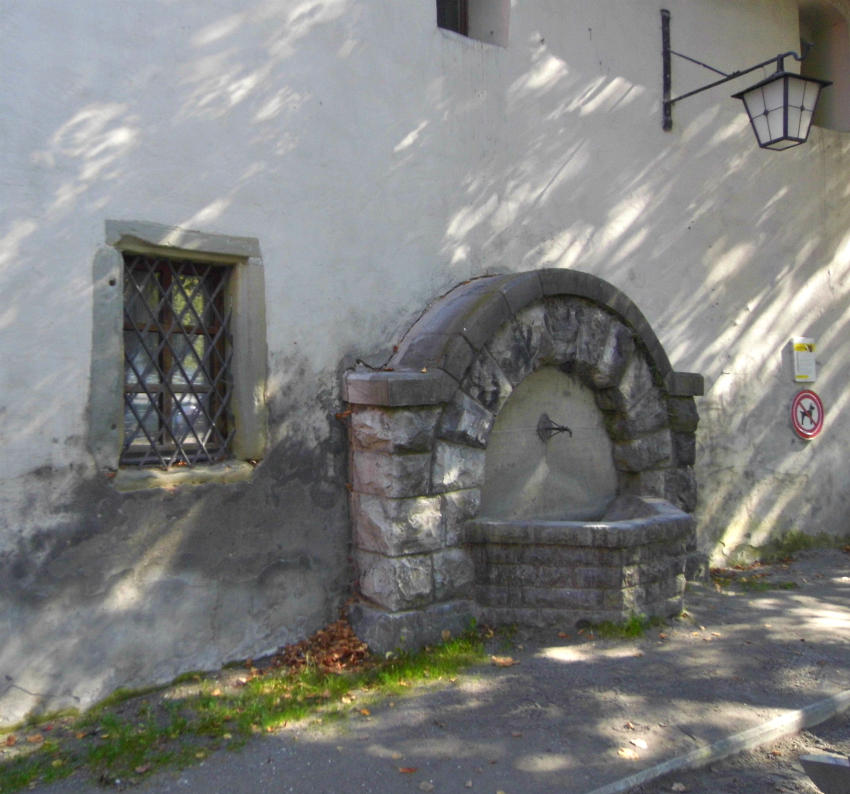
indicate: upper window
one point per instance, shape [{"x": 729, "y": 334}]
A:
[
  {"x": 176, "y": 362},
  {"x": 453, "y": 15},
  {"x": 485, "y": 20},
  {"x": 827, "y": 27}
]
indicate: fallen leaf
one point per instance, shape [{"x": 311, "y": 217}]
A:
[
  {"x": 396, "y": 756},
  {"x": 216, "y": 693},
  {"x": 516, "y": 734},
  {"x": 407, "y": 770},
  {"x": 629, "y": 726},
  {"x": 140, "y": 770},
  {"x": 678, "y": 787},
  {"x": 563, "y": 635},
  {"x": 426, "y": 786},
  {"x": 503, "y": 661},
  {"x": 11, "y": 740},
  {"x": 36, "y": 738},
  {"x": 200, "y": 754},
  {"x": 446, "y": 635},
  {"x": 365, "y": 712},
  {"x": 468, "y": 784},
  {"x": 641, "y": 743},
  {"x": 628, "y": 753}
]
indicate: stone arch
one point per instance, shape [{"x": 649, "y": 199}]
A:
[{"x": 420, "y": 429}]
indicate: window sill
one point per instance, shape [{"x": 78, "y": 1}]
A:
[{"x": 142, "y": 479}]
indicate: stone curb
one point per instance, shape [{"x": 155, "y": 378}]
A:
[{"x": 784, "y": 725}]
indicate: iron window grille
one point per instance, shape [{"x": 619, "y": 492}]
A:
[{"x": 177, "y": 352}]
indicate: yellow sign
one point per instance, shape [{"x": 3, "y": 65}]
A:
[{"x": 805, "y": 370}]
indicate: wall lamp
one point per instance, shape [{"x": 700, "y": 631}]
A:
[{"x": 780, "y": 107}]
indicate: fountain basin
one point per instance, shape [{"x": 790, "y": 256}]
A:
[{"x": 549, "y": 572}]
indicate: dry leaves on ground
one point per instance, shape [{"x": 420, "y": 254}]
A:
[{"x": 333, "y": 649}]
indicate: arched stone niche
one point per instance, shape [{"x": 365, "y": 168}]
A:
[{"x": 419, "y": 435}]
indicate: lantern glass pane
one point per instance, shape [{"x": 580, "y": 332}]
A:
[
  {"x": 805, "y": 123},
  {"x": 794, "y": 119},
  {"x": 760, "y": 127},
  {"x": 776, "y": 124},
  {"x": 811, "y": 94},
  {"x": 774, "y": 95},
  {"x": 754, "y": 101},
  {"x": 796, "y": 91}
]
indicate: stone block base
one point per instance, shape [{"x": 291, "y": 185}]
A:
[{"x": 386, "y": 631}]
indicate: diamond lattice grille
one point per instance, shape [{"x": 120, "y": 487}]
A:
[{"x": 176, "y": 362}]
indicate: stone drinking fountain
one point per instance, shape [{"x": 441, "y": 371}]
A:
[{"x": 524, "y": 457}]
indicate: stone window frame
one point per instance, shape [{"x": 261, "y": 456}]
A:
[{"x": 246, "y": 294}]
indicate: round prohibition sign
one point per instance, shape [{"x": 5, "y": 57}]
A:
[{"x": 807, "y": 414}]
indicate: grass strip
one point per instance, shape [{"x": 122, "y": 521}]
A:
[{"x": 131, "y": 734}]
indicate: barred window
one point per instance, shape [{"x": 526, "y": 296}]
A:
[{"x": 177, "y": 349}]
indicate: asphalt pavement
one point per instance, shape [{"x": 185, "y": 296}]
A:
[{"x": 761, "y": 658}]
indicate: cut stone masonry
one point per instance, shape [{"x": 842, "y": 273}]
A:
[{"x": 418, "y": 441}]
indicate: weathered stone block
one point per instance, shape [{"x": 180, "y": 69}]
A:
[
  {"x": 647, "y": 416},
  {"x": 510, "y": 352},
  {"x": 531, "y": 323},
  {"x": 465, "y": 421},
  {"x": 597, "y": 578},
  {"x": 636, "y": 394},
  {"x": 509, "y": 575},
  {"x": 521, "y": 290},
  {"x": 562, "y": 322},
  {"x": 493, "y": 595},
  {"x": 561, "y": 598},
  {"x": 616, "y": 352},
  {"x": 683, "y": 414},
  {"x": 384, "y": 631},
  {"x": 458, "y": 507},
  {"x": 390, "y": 475},
  {"x": 685, "y": 384},
  {"x": 594, "y": 327},
  {"x": 548, "y": 576},
  {"x": 456, "y": 467},
  {"x": 680, "y": 488},
  {"x": 397, "y": 526},
  {"x": 396, "y": 583},
  {"x": 394, "y": 429},
  {"x": 450, "y": 352},
  {"x": 684, "y": 449},
  {"x": 397, "y": 387},
  {"x": 486, "y": 383},
  {"x": 491, "y": 311},
  {"x": 454, "y": 574},
  {"x": 645, "y": 452}
]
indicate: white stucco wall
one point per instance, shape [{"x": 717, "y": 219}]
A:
[{"x": 379, "y": 161}]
